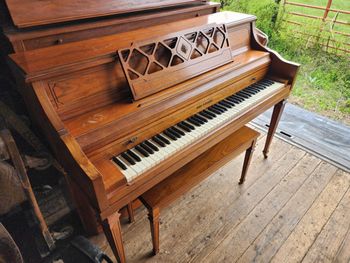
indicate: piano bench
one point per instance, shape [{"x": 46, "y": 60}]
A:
[{"x": 180, "y": 182}]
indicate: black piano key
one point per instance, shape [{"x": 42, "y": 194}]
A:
[
  {"x": 268, "y": 81},
  {"x": 256, "y": 86},
  {"x": 141, "y": 151},
  {"x": 170, "y": 135},
  {"x": 198, "y": 116},
  {"x": 119, "y": 163},
  {"x": 233, "y": 100},
  {"x": 206, "y": 115},
  {"x": 243, "y": 95},
  {"x": 260, "y": 87},
  {"x": 188, "y": 125},
  {"x": 128, "y": 158},
  {"x": 198, "y": 120},
  {"x": 236, "y": 99},
  {"x": 244, "y": 92},
  {"x": 184, "y": 127},
  {"x": 215, "y": 111},
  {"x": 229, "y": 102},
  {"x": 163, "y": 139},
  {"x": 157, "y": 140},
  {"x": 134, "y": 156},
  {"x": 263, "y": 84},
  {"x": 210, "y": 113},
  {"x": 174, "y": 133},
  {"x": 220, "y": 107},
  {"x": 225, "y": 104},
  {"x": 193, "y": 121},
  {"x": 222, "y": 110},
  {"x": 151, "y": 145},
  {"x": 146, "y": 148},
  {"x": 178, "y": 131},
  {"x": 252, "y": 90}
]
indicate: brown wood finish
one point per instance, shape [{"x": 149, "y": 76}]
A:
[
  {"x": 27, "y": 13},
  {"x": 78, "y": 94},
  {"x": 154, "y": 66},
  {"x": 58, "y": 34},
  {"x": 276, "y": 115},
  {"x": 247, "y": 161},
  {"x": 190, "y": 175}
]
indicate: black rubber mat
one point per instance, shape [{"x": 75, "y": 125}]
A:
[{"x": 328, "y": 139}]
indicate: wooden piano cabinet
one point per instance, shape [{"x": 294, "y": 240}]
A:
[
  {"x": 78, "y": 95},
  {"x": 58, "y": 34}
]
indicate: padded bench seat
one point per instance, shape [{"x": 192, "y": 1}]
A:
[{"x": 190, "y": 175}]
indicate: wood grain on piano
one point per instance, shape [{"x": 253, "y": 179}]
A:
[
  {"x": 57, "y": 34},
  {"x": 79, "y": 95},
  {"x": 27, "y": 13}
]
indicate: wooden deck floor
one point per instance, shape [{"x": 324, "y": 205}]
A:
[{"x": 293, "y": 207}]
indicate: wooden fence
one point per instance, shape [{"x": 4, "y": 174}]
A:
[{"x": 337, "y": 37}]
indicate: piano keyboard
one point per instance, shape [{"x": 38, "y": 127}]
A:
[{"x": 149, "y": 153}]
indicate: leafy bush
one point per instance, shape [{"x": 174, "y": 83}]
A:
[{"x": 265, "y": 10}]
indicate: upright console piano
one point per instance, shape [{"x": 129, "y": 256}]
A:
[{"x": 123, "y": 112}]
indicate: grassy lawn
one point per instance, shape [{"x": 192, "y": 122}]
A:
[{"x": 323, "y": 84}]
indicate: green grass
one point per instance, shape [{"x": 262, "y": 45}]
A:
[{"x": 323, "y": 83}]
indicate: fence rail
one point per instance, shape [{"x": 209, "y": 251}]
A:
[{"x": 330, "y": 43}]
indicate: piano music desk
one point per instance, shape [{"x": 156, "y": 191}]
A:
[{"x": 190, "y": 175}]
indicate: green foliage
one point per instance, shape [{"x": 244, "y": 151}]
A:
[
  {"x": 323, "y": 83},
  {"x": 265, "y": 10}
]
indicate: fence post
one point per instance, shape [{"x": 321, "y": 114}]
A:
[{"x": 327, "y": 10}]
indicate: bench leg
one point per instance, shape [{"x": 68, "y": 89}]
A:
[
  {"x": 113, "y": 232},
  {"x": 153, "y": 216},
  {"x": 247, "y": 160},
  {"x": 276, "y": 116},
  {"x": 131, "y": 213}
]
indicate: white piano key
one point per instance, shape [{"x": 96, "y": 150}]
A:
[{"x": 189, "y": 138}]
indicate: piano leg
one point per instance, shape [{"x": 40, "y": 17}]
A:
[
  {"x": 276, "y": 115},
  {"x": 247, "y": 160},
  {"x": 153, "y": 217},
  {"x": 113, "y": 232},
  {"x": 130, "y": 212}
]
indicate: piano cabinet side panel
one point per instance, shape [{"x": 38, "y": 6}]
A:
[
  {"x": 280, "y": 67},
  {"x": 64, "y": 147}
]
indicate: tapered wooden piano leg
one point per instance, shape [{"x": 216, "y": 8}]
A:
[
  {"x": 276, "y": 116},
  {"x": 112, "y": 229},
  {"x": 247, "y": 160},
  {"x": 130, "y": 213},
  {"x": 153, "y": 217}
]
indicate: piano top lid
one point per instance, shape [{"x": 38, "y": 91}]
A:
[
  {"x": 27, "y": 13},
  {"x": 47, "y": 62}
]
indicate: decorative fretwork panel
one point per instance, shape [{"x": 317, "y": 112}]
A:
[{"x": 154, "y": 66}]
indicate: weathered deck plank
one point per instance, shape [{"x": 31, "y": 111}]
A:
[
  {"x": 325, "y": 247},
  {"x": 283, "y": 197},
  {"x": 303, "y": 236}
]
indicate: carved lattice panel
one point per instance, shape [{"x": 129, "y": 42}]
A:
[{"x": 154, "y": 66}]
